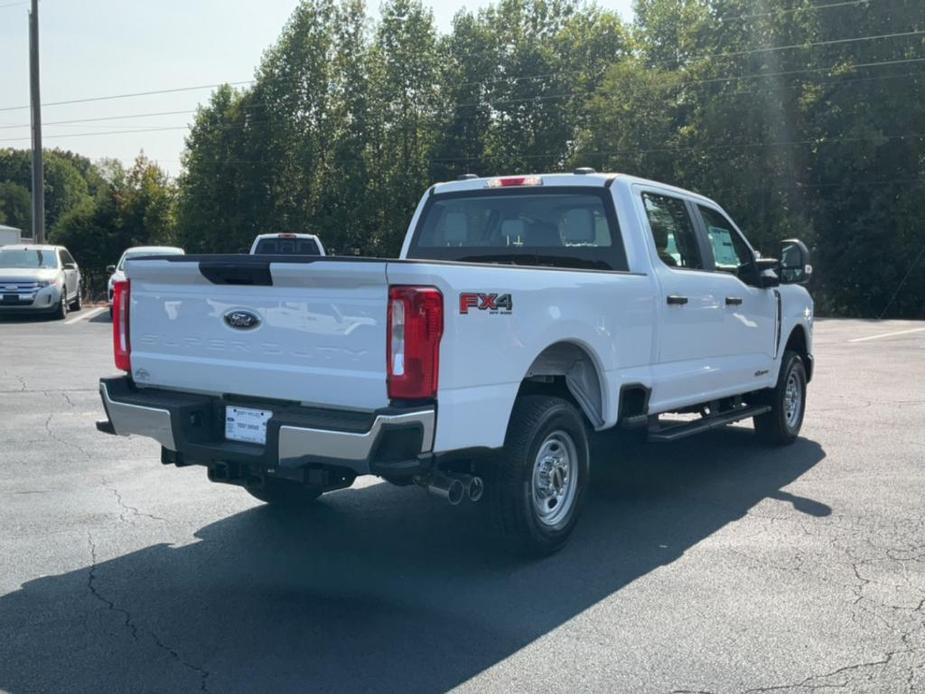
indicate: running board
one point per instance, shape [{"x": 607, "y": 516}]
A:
[{"x": 680, "y": 431}]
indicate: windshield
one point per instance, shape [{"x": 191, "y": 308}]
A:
[
  {"x": 28, "y": 259},
  {"x": 283, "y": 246},
  {"x": 145, "y": 254},
  {"x": 562, "y": 228}
]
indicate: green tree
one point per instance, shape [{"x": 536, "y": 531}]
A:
[
  {"x": 66, "y": 185},
  {"x": 131, "y": 208},
  {"x": 15, "y": 205}
]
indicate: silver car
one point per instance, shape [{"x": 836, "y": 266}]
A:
[{"x": 39, "y": 278}]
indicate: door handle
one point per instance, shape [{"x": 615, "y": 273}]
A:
[
  {"x": 675, "y": 300},
  {"x": 733, "y": 301}
]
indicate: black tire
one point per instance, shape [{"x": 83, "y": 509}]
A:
[
  {"x": 60, "y": 313},
  {"x": 111, "y": 312},
  {"x": 782, "y": 424},
  {"x": 78, "y": 302},
  {"x": 284, "y": 493},
  {"x": 538, "y": 422}
]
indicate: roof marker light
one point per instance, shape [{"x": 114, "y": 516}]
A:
[{"x": 514, "y": 181}]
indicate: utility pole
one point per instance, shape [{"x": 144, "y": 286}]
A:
[{"x": 38, "y": 167}]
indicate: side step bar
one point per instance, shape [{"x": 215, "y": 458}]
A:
[{"x": 679, "y": 431}]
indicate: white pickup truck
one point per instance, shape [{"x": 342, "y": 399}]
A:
[{"x": 522, "y": 314}]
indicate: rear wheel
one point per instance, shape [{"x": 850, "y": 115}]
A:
[
  {"x": 541, "y": 475},
  {"x": 78, "y": 301},
  {"x": 788, "y": 403},
  {"x": 284, "y": 493}
]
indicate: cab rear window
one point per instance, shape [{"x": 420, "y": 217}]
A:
[
  {"x": 287, "y": 247},
  {"x": 572, "y": 228}
]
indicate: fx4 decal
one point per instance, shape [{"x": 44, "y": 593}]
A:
[{"x": 493, "y": 303}]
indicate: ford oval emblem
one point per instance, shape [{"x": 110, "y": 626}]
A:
[{"x": 242, "y": 320}]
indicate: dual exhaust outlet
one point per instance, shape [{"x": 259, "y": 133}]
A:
[{"x": 454, "y": 487}]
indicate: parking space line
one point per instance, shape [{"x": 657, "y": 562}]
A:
[
  {"x": 86, "y": 314},
  {"x": 897, "y": 332}
]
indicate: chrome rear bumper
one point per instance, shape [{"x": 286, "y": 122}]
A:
[{"x": 193, "y": 426}]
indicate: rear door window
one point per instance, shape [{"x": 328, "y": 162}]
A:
[
  {"x": 558, "y": 228},
  {"x": 673, "y": 231},
  {"x": 730, "y": 252}
]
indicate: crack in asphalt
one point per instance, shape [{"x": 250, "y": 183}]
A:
[
  {"x": 133, "y": 510},
  {"x": 808, "y": 683},
  {"x": 882, "y": 590},
  {"x": 66, "y": 444},
  {"x": 129, "y": 622},
  {"x": 91, "y": 586},
  {"x": 846, "y": 674},
  {"x": 123, "y": 506}
]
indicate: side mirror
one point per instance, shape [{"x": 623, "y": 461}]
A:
[
  {"x": 70, "y": 266},
  {"x": 795, "y": 267},
  {"x": 110, "y": 269}
]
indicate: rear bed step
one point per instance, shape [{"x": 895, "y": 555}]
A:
[{"x": 673, "y": 432}]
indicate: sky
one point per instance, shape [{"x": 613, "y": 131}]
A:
[{"x": 99, "y": 48}]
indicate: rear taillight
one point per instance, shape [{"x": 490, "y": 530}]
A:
[
  {"x": 415, "y": 329},
  {"x": 121, "y": 347}
]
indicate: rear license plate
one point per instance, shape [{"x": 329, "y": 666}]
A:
[{"x": 246, "y": 424}]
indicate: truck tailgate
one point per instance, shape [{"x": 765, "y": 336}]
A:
[{"x": 300, "y": 330}]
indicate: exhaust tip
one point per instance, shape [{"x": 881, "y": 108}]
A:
[
  {"x": 449, "y": 488},
  {"x": 455, "y": 492},
  {"x": 475, "y": 489}
]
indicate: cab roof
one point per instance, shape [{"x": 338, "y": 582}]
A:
[{"x": 591, "y": 179}]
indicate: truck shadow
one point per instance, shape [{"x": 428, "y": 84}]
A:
[{"x": 376, "y": 589}]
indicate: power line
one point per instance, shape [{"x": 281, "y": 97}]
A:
[
  {"x": 786, "y": 73},
  {"x": 813, "y": 44},
  {"x": 731, "y": 145},
  {"x": 903, "y": 281},
  {"x": 708, "y": 56},
  {"x": 133, "y": 94},
  {"x": 108, "y": 132},
  {"x": 539, "y": 76},
  {"x": 811, "y": 8},
  {"x": 104, "y": 118},
  {"x": 682, "y": 148},
  {"x": 490, "y": 104}
]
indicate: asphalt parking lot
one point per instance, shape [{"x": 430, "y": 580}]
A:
[{"x": 710, "y": 565}]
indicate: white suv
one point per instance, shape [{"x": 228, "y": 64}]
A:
[{"x": 39, "y": 278}]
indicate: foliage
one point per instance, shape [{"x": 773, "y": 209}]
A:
[
  {"x": 68, "y": 183},
  {"x": 763, "y": 107},
  {"x": 802, "y": 118},
  {"x": 131, "y": 208},
  {"x": 15, "y": 206}
]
